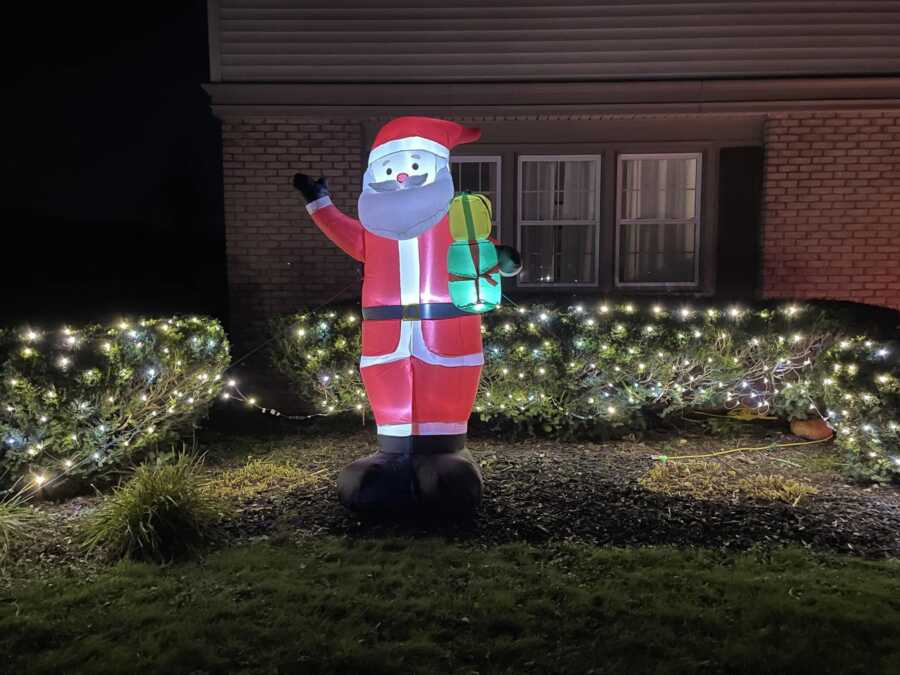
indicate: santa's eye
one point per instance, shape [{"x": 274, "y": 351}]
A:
[
  {"x": 389, "y": 172},
  {"x": 415, "y": 166}
]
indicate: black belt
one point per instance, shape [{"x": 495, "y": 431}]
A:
[
  {"x": 431, "y": 310},
  {"x": 421, "y": 445}
]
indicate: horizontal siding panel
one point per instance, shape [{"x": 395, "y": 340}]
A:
[
  {"x": 575, "y": 71},
  {"x": 289, "y": 53},
  {"x": 522, "y": 40},
  {"x": 824, "y": 36},
  {"x": 341, "y": 8},
  {"x": 500, "y": 25},
  {"x": 474, "y": 17},
  {"x": 551, "y": 58},
  {"x": 649, "y": 40}
]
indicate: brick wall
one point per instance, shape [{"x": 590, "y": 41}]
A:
[
  {"x": 831, "y": 213},
  {"x": 831, "y": 206},
  {"x": 277, "y": 259}
]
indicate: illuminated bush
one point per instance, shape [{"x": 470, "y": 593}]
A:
[
  {"x": 595, "y": 368},
  {"x": 85, "y": 401}
]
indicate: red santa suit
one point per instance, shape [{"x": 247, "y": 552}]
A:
[
  {"x": 420, "y": 375},
  {"x": 421, "y": 355}
]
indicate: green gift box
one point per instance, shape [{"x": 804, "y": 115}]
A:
[{"x": 474, "y": 275}]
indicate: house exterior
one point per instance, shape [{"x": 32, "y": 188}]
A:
[{"x": 738, "y": 149}]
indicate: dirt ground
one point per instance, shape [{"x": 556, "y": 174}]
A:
[
  {"x": 539, "y": 490},
  {"x": 543, "y": 490}
]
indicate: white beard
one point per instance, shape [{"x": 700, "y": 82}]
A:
[{"x": 409, "y": 212}]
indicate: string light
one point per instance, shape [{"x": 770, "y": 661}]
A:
[
  {"x": 758, "y": 363},
  {"x": 107, "y": 407}
]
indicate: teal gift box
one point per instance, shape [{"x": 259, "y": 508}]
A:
[{"x": 474, "y": 275}]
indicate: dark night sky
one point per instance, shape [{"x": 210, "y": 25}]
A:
[{"x": 112, "y": 168}]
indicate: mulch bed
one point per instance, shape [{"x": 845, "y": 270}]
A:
[
  {"x": 536, "y": 491},
  {"x": 550, "y": 491}
]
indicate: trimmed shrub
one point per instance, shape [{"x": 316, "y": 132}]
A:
[
  {"x": 163, "y": 512},
  {"x": 84, "y": 402},
  {"x": 609, "y": 367}
]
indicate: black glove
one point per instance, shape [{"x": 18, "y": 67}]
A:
[
  {"x": 510, "y": 261},
  {"x": 309, "y": 188}
]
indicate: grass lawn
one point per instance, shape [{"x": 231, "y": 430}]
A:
[
  {"x": 338, "y": 605},
  {"x": 583, "y": 557}
]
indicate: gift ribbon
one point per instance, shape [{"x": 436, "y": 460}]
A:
[
  {"x": 476, "y": 257},
  {"x": 481, "y": 275}
]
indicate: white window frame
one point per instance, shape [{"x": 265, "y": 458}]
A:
[
  {"x": 697, "y": 220},
  {"x": 497, "y": 161},
  {"x": 598, "y": 215}
]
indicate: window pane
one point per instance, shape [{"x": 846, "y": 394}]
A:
[
  {"x": 559, "y": 191},
  {"x": 652, "y": 253},
  {"x": 558, "y": 254},
  {"x": 480, "y": 177},
  {"x": 538, "y": 183},
  {"x": 659, "y": 188}
]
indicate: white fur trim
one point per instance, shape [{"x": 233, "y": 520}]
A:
[
  {"x": 402, "y": 351},
  {"x": 409, "y": 271},
  {"x": 395, "y": 429},
  {"x": 439, "y": 428},
  {"x": 420, "y": 351},
  {"x": 409, "y": 143},
  {"x": 412, "y": 343},
  {"x": 317, "y": 204},
  {"x": 423, "y": 429}
]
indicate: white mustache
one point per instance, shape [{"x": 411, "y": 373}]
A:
[
  {"x": 393, "y": 185},
  {"x": 405, "y": 213}
]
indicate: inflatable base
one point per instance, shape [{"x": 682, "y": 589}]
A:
[{"x": 431, "y": 473}]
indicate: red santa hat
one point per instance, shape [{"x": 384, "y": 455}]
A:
[{"x": 420, "y": 133}]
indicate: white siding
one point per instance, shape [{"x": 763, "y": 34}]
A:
[{"x": 549, "y": 40}]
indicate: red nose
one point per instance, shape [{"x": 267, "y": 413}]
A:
[{"x": 402, "y": 177}]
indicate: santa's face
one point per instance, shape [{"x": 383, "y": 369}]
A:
[
  {"x": 402, "y": 171},
  {"x": 405, "y": 194}
]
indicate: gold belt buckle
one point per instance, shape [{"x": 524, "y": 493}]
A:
[{"x": 411, "y": 312}]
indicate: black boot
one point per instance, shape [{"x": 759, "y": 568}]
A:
[{"x": 434, "y": 473}]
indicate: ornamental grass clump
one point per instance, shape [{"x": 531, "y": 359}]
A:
[
  {"x": 83, "y": 403},
  {"x": 164, "y": 512},
  {"x": 19, "y": 522},
  {"x": 602, "y": 368}
]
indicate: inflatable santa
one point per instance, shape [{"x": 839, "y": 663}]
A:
[{"x": 421, "y": 353}]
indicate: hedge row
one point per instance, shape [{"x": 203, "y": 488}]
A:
[
  {"x": 86, "y": 401},
  {"x": 599, "y": 368}
]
